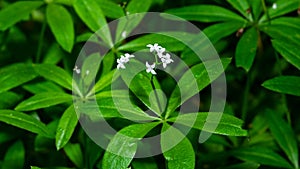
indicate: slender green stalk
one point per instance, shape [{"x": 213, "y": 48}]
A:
[
  {"x": 283, "y": 97},
  {"x": 266, "y": 10},
  {"x": 41, "y": 41},
  {"x": 156, "y": 96},
  {"x": 245, "y": 97}
]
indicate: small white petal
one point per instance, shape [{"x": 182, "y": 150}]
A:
[
  {"x": 124, "y": 34},
  {"x": 274, "y": 6},
  {"x": 87, "y": 72},
  {"x": 153, "y": 72}
]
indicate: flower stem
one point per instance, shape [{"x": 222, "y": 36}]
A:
[
  {"x": 156, "y": 96},
  {"x": 41, "y": 40}
]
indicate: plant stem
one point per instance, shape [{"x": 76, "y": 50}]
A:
[
  {"x": 266, "y": 10},
  {"x": 41, "y": 41},
  {"x": 283, "y": 97},
  {"x": 156, "y": 96},
  {"x": 245, "y": 97}
]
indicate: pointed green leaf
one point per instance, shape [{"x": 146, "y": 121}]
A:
[
  {"x": 73, "y": 151},
  {"x": 242, "y": 6},
  {"x": 284, "y": 135},
  {"x": 284, "y": 84},
  {"x": 123, "y": 146},
  {"x": 53, "y": 55},
  {"x": 137, "y": 6},
  {"x": 66, "y": 127},
  {"x": 256, "y": 9},
  {"x": 57, "y": 16},
  {"x": 55, "y": 74},
  {"x": 16, "y": 12},
  {"x": 106, "y": 80},
  {"x": 9, "y": 99},
  {"x": 205, "y": 13},
  {"x": 246, "y": 165},
  {"x": 43, "y": 100},
  {"x": 143, "y": 86},
  {"x": 112, "y": 106},
  {"x": 285, "y": 33},
  {"x": 42, "y": 86},
  {"x": 91, "y": 14},
  {"x": 24, "y": 121},
  {"x": 289, "y": 51},
  {"x": 226, "y": 125},
  {"x": 194, "y": 80},
  {"x": 111, "y": 9},
  {"x": 218, "y": 31},
  {"x": 261, "y": 155},
  {"x": 182, "y": 154},
  {"x": 15, "y": 75},
  {"x": 15, "y": 156},
  {"x": 282, "y": 7},
  {"x": 246, "y": 49},
  {"x": 167, "y": 42},
  {"x": 90, "y": 68}
]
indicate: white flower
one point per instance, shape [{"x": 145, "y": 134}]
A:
[
  {"x": 154, "y": 47},
  {"x": 124, "y": 33},
  {"x": 166, "y": 59},
  {"x": 274, "y": 6},
  {"x": 120, "y": 64},
  {"x": 76, "y": 70},
  {"x": 87, "y": 72},
  {"x": 123, "y": 60},
  {"x": 128, "y": 56},
  {"x": 150, "y": 68},
  {"x": 160, "y": 52}
]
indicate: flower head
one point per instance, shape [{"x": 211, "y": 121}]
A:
[
  {"x": 150, "y": 68},
  {"x": 123, "y": 60},
  {"x": 76, "y": 69},
  {"x": 154, "y": 47},
  {"x": 166, "y": 59}
]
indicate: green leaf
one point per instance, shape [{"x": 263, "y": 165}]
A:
[
  {"x": 123, "y": 146},
  {"x": 117, "y": 105},
  {"x": 284, "y": 135},
  {"x": 284, "y": 84},
  {"x": 91, "y": 14},
  {"x": 42, "y": 86},
  {"x": 57, "y": 16},
  {"x": 242, "y": 6},
  {"x": 198, "y": 74},
  {"x": 225, "y": 124},
  {"x": 16, "y": 12},
  {"x": 55, "y": 74},
  {"x": 261, "y": 155},
  {"x": 246, "y": 49},
  {"x": 167, "y": 42},
  {"x": 285, "y": 33},
  {"x": 43, "y": 100},
  {"x": 218, "y": 31},
  {"x": 256, "y": 9},
  {"x": 137, "y": 6},
  {"x": 148, "y": 163},
  {"x": 282, "y": 7},
  {"x": 106, "y": 80},
  {"x": 288, "y": 51},
  {"x": 90, "y": 68},
  {"x": 66, "y": 127},
  {"x": 24, "y": 121},
  {"x": 141, "y": 85},
  {"x": 245, "y": 165},
  {"x": 53, "y": 55},
  {"x": 179, "y": 154},
  {"x": 205, "y": 13},
  {"x": 111, "y": 9},
  {"x": 9, "y": 99},
  {"x": 74, "y": 153},
  {"x": 15, "y": 75},
  {"x": 15, "y": 156}
]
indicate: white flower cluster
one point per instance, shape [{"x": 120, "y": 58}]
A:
[
  {"x": 157, "y": 50},
  {"x": 123, "y": 60}
]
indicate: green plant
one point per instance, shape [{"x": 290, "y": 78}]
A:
[{"x": 41, "y": 104}]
